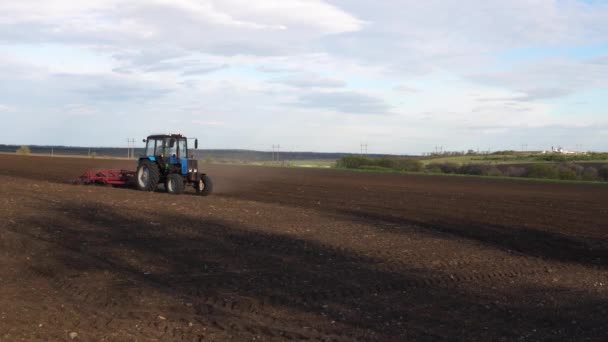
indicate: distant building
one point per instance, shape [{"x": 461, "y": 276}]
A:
[{"x": 561, "y": 150}]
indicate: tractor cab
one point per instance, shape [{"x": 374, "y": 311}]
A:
[
  {"x": 168, "y": 160},
  {"x": 171, "y": 149}
]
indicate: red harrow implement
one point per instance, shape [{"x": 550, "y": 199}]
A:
[{"x": 107, "y": 177}]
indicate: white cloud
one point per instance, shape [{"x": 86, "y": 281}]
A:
[
  {"x": 223, "y": 27},
  {"x": 208, "y": 123},
  {"x": 422, "y": 36},
  {"x": 79, "y": 110},
  {"x": 345, "y": 101},
  {"x": 406, "y": 89},
  {"x": 260, "y": 71},
  {"x": 6, "y": 109},
  {"x": 548, "y": 79},
  {"x": 310, "y": 81}
]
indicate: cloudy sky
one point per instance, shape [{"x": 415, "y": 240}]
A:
[{"x": 316, "y": 75}]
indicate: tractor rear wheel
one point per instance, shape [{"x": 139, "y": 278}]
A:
[
  {"x": 174, "y": 184},
  {"x": 148, "y": 176},
  {"x": 204, "y": 186}
]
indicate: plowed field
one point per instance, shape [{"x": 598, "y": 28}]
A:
[{"x": 300, "y": 254}]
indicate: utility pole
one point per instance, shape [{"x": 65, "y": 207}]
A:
[
  {"x": 364, "y": 150},
  {"x": 130, "y": 148},
  {"x": 278, "y": 151}
]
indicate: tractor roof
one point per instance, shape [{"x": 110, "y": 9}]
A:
[{"x": 156, "y": 136}]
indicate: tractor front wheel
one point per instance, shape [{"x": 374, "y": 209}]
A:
[
  {"x": 204, "y": 186},
  {"x": 148, "y": 176},
  {"x": 174, "y": 184}
]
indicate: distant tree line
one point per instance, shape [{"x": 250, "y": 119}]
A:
[
  {"x": 367, "y": 163},
  {"x": 218, "y": 155},
  {"x": 563, "y": 171},
  {"x": 556, "y": 157},
  {"x": 23, "y": 150},
  {"x": 560, "y": 171}
]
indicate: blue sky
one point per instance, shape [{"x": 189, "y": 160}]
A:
[{"x": 317, "y": 75}]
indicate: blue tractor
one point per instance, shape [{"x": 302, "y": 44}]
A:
[{"x": 167, "y": 160}]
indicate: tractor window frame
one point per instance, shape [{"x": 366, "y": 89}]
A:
[
  {"x": 150, "y": 147},
  {"x": 169, "y": 151},
  {"x": 158, "y": 148},
  {"x": 182, "y": 148}
]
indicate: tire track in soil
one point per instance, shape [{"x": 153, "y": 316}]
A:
[
  {"x": 523, "y": 266},
  {"x": 80, "y": 293},
  {"x": 247, "y": 308}
]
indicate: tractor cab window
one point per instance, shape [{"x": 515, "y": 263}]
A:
[
  {"x": 150, "y": 147},
  {"x": 154, "y": 147},
  {"x": 183, "y": 148},
  {"x": 170, "y": 147},
  {"x": 158, "y": 146}
]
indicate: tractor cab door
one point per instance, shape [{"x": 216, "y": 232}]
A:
[
  {"x": 166, "y": 153},
  {"x": 150, "y": 144},
  {"x": 170, "y": 150},
  {"x": 182, "y": 155},
  {"x": 154, "y": 148},
  {"x": 182, "y": 148}
]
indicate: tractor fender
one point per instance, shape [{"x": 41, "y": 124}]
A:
[{"x": 150, "y": 158}]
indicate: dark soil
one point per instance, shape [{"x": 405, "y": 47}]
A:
[{"x": 299, "y": 254}]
